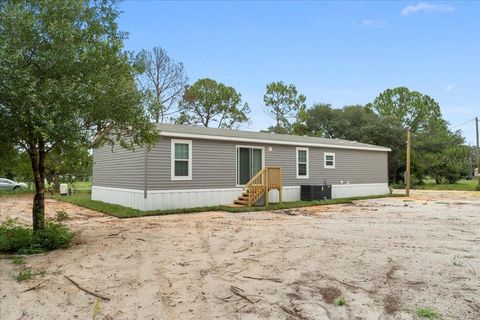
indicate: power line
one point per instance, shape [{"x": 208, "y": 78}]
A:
[{"x": 463, "y": 123}]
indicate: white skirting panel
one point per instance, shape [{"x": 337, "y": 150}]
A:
[
  {"x": 174, "y": 199},
  {"x": 288, "y": 194},
  {"x": 166, "y": 199},
  {"x": 338, "y": 191},
  {"x": 358, "y": 190},
  {"x": 124, "y": 197}
]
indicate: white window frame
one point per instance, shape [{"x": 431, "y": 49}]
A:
[
  {"x": 172, "y": 159},
  {"x": 325, "y": 160},
  {"x": 307, "y": 163}
]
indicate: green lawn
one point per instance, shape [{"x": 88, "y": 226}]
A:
[
  {"x": 465, "y": 185},
  {"x": 84, "y": 200},
  {"x": 81, "y": 185},
  {"x": 14, "y": 192}
]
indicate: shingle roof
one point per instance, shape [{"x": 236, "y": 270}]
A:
[{"x": 241, "y": 135}]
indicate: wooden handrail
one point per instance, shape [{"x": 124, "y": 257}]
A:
[
  {"x": 259, "y": 173},
  {"x": 265, "y": 180}
]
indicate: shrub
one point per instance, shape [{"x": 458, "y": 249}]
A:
[
  {"x": 61, "y": 215},
  {"x": 18, "y": 238},
  {"x": 14, "y": 236},
  {"x": 397, "y": 185},
  {"x": 53, "y": 236},
  {"x": 416, "y": 180}
]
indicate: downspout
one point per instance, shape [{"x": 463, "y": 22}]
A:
[{"x": 145, "y": 173}]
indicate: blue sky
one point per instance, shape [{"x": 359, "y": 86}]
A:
[{"x": 335, "y": 52}]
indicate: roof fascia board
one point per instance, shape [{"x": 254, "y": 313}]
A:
[{"x": 266, "y": 141}]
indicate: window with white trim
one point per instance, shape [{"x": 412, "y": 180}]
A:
[
  {"x": 302, "y": 163},
  {"x": 329, "y": 160},
  {"x": 181, "y": 159}
]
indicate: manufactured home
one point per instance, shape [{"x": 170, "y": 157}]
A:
[{"x": 195, "y": 166}]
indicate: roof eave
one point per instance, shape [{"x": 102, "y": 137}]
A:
[{"x": 268, "y": 141}]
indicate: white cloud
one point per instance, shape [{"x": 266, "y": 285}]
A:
[
  {"x": 373, "y": 23},
  {"x": 450, "y": 87},
  {"x": 426, "y": 7}
]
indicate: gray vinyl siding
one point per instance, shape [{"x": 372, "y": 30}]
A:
[
  {"x": 351, "y": 166},
  {"x": 118, "y": 168},
  {"x": 214, "y": 166}
]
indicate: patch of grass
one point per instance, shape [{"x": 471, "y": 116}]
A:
[
  {"x": 429, "y": 313},
  {"x": 61, "y": 215},
  {"x": 463, "y": 185},
  {"x": 84, "y": 200},
  {"x": 15, "y": 192},
  {"x": 340, "y": 301},
  {"x": 18, "y": 238},
  {"x": 84, "y": 191},
  {"x": 28, "y": 274},
  {"x": 82, "y": 185},
  {"x": 96, "y": 309},
  {"x": 457, "y": 262},
  {"x": 18, "y": 260},
  {"x": 24, "y": 275}
]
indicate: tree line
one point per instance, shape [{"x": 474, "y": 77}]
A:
[
  {"x": 437, "y": 152},
  {"x": 67, "y": 86}
]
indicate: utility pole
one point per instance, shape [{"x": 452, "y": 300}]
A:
[
  {"x": 407, "y": 178},
  {"x": 478, "y": 150}
]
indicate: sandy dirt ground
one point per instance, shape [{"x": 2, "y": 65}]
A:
[{"x": 386, "y": 257}]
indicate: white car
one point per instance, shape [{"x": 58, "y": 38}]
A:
[{"x": 6, "y": 184}]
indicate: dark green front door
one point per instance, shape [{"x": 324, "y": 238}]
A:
[{"x": 249, "y": 162}]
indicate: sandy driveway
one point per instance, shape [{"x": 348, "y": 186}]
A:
[{"x": 387, "y": 257}]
